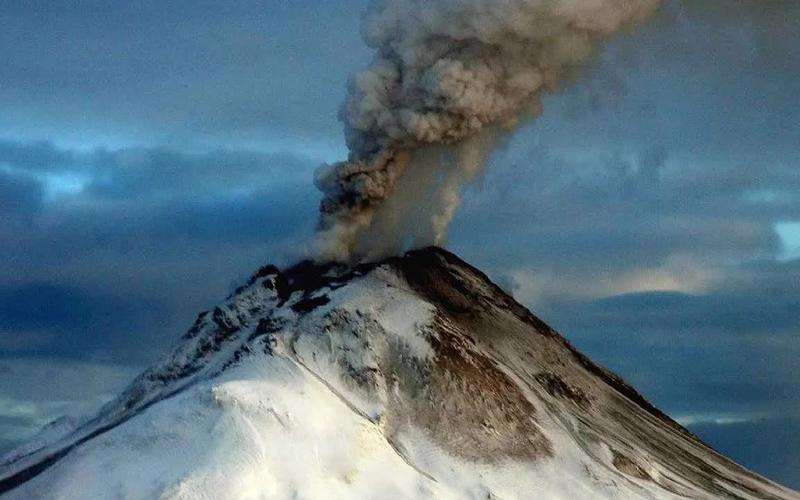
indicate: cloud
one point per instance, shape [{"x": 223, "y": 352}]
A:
[
  {"x": 728, "y": 350},
  {"x": 188, "y": 73},
  {"x": 606, "y": 213},
  {"x": 720, "y": 309},
  {"x": 446, "y": 78},
  {"x": 156, "y": 171},
  {"x": 36, "y": 156},
  {"x": 733, "y": 106},
  {"x": 771, "y": 445},
  {"x": 35, "y": 391},
  {"x": 537, "y": 287},
  {"x": 63, "y": 321},
  {"x": 761, "y": 33},
  {"x": 149, "y": 237},
  {"x": 20, "y": 197}
]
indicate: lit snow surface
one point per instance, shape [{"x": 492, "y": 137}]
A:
[{"x": 270, "y": 409}]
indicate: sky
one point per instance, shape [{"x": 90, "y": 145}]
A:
[{"x": 153, "y": 154}]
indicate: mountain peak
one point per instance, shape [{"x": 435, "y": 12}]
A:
[{"x": 411, "y": 377}]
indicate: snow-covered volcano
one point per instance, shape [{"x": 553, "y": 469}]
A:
[{"x": 415, "y": 377}]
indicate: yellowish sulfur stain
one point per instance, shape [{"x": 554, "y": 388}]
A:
[{"x": 370, "y": 438}]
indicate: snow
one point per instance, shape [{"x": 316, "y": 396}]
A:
[
  {"x": 265, "y": 430},
  {"x": 268, "y": 429}
]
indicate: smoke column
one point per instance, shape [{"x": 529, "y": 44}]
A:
[{"x": 447, "y": 78}]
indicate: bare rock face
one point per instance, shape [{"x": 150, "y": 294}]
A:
[{"x": 414, "y": 377}]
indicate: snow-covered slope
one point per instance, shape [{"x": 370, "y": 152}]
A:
[{"x": 412, "y": 378}]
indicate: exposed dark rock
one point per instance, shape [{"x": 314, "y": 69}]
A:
[
  {"x": 628, "y": 466},
  {"x": 556, "y": 387},
  {"x": 309, "y": 304}
]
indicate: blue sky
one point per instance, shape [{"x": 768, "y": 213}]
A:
[{"x": 153, "y": 154}]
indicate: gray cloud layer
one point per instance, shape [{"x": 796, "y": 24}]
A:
[
  {"x": 184, "y": 73},
  {"x": 139, "y": 245}
]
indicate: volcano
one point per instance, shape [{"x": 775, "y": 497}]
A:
[{"x": 413, "y": 377}]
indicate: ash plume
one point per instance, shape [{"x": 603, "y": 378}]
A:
[{"x": 448, "y": 77}]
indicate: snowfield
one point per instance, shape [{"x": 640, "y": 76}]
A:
[{"x": 411, "y": 378}]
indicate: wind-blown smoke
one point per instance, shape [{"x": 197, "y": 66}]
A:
[{"x": 446, "y": 77}]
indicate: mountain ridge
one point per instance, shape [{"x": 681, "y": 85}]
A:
[{"x": 439, "y": 362}]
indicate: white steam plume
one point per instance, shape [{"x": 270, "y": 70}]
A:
[{"x": 446, "y": 73}]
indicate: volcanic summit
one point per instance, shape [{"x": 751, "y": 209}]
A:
[{"x": 412, "y": 377}]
